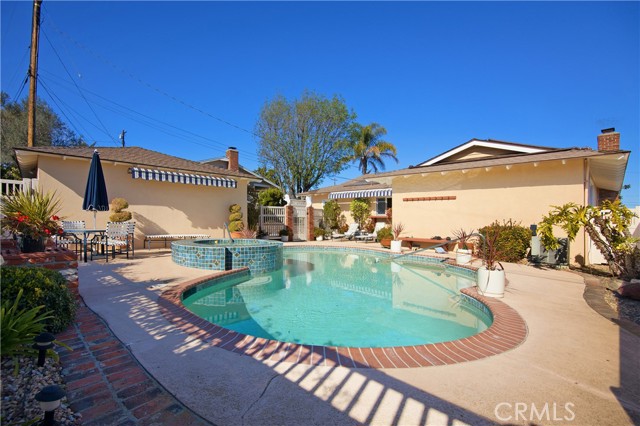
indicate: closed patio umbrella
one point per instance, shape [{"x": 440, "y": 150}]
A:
[{"x": 95, "y": 195}]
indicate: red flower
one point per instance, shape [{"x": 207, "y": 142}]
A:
[
  {"x": 54, "y": 217},
  {"x": 46, "y": 231}
]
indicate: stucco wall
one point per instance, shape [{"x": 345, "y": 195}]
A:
[
  {"x": 524, "y": 193},
  {"x": 157, "y": 207}
]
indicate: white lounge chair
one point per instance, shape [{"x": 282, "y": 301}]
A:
[
  {"x": 366, "y": 236},
  {"x": 350, "y": 233}
]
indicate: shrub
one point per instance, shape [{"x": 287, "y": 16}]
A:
[
  {"x": 512, "y": 242},
  {"x": 118, "y": 205},
  {"x": 360, "y": 210},
  {"x": 318, "y": 232},
  {"x": 332, "y": 213},
  {"x": 384, "y": 233},
  {"x": 235, "y": 218},
  {"x": 42, "y": 287},
  {"x": 18, "y": 327}
]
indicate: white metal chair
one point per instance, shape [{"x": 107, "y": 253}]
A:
[
  {"x": 131, "y": 230},
  {"x": 67, "y": 238},
  {"x": 115, "y": 236}
]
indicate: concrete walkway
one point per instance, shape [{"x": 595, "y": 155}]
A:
[{"x": 576, "y": 367}]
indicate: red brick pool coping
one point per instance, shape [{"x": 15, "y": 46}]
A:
[{"x": 507, "y": 331}]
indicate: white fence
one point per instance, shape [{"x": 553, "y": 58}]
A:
[
  {"x": 272, "y": 220},
  {"x": 10, "y": 186}
]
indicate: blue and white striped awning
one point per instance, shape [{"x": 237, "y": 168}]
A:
[
  {"x": 385, "y": 192},
  {"x": 186, "y": 178}
]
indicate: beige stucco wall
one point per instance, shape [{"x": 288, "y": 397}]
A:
[
  {"x": 157, "y": 207},
  {"x": 524, "y": 193}
]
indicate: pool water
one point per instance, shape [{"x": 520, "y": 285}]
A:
[{"x": 344, "y": 299}]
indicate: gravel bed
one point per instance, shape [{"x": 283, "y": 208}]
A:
[
  {"x": 626, "y": 308},
  {"x": 18, "y": 392}
]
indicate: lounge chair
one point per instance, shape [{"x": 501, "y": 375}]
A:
[
  {"x": 366, "y": 236},
  {"x": 350, "y": 233}
]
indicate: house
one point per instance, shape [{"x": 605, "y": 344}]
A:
[
  {"x": 224, "y": 163},
  {"x": 166, "y": 194},
  {"x": 481, "y": 181}
]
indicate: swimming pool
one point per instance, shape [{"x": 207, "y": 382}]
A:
[{"x": 344, "y": 299}]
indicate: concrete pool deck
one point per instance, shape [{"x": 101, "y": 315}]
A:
[{"x": 575, "y": 367}]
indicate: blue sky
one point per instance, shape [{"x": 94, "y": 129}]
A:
[{"x": 189, "y": 78}]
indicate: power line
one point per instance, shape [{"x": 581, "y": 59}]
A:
[
  {"x": 53, "y": 98},
  {"x": 132, "y": 111},
  {"x": 76, "y": 85},
  {"x": 149, "y": 85}
]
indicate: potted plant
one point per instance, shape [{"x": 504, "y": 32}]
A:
[
  {"x": 463, "y": 252},
  {"x": 32, "y": 218},
  {"x": 235, "y": 221},
  {"x": 396, "y": 244},
  {"x": 490, "y": 276},
  {"x": 284, "y": 235},
  {"x": 318, "y": 233},
  {"x": 384, "y": 237},
  {"x": 248, "y": 233}
]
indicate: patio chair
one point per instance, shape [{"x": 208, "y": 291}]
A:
[
  {"x": 351, "y": 232},
  {"x": 366, "y": 236},
  {"x": 67, "y": 238},
  {"x": 131, "y": 230},
  {"x": 115, "y": 236}
]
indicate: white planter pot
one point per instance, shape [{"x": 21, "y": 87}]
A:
[
  {"x": 284, "y": 239},
  {"x": 463, "y": 256},
  {"x": 491, "y": 283},
  {"x": 396, "y": 246},
  {"x": 318, "y": 238}
]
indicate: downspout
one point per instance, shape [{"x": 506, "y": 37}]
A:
[{"x": 585, "y": 201}]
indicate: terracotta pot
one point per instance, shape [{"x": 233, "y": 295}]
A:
[
  {"x": 385, "y": 242},
  {"x": 236, "y": 235}
]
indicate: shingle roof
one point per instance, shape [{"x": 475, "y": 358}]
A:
[
  {"x": 136, "y": 156},
  {"x": 357, "y": 184}
]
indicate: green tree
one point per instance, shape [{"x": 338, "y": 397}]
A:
[
  {"x": 368, "y": 148},
  {"x": 360, "y": 210},
  {"x": 303, "y": 140},
  {"x": 608, "y": 227},
  {"x": 271, "y": 197},
  {"x": 50, "y": 130}
]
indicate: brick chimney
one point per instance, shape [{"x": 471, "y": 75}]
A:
[
  {"x": 232, "y": 156},
  {"x": 609, "y": 140}
]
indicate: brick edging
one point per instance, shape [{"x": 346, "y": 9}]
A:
[
  {"x": 507, "y": 332},
  {"x": 106, "y": 384}
]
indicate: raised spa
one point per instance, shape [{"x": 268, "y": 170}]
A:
[{"x": 225, "y": 254}]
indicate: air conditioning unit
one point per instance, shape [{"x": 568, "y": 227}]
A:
[{"x": 539, "y": 254}]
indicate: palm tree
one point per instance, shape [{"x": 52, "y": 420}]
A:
[{"x": 369, "y": 149}]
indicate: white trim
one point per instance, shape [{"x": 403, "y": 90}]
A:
[{"x": 485, "y": 144}]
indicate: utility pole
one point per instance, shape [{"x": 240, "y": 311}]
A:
[
  {"x": 122, "y": 136},
  {"x": 33, "y": 73}
]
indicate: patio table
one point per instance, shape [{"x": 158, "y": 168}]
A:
[{"x": 85, "y": 236}]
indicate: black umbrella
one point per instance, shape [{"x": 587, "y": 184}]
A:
[{"x": 95, "y": 196}]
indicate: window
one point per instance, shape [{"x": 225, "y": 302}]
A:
[{"x": 382, "y": 204}]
